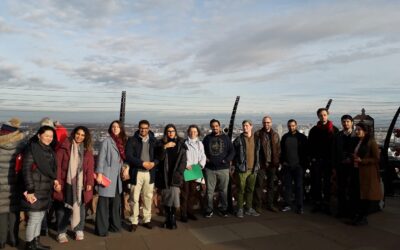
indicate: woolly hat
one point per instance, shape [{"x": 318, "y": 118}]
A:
[
  {"x": 14, "y": 122},
  {"x": 47, "y": 122},
  {"x": 11, "y": 126}
]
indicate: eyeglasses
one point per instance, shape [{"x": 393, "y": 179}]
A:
[
  {"x": 144, "y": 128},
  {"x": 170, "y": 131}
]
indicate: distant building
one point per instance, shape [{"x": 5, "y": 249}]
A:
[{"x": 366, "y": 119}]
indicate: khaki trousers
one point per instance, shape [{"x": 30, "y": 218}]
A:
[{"x": 143, "y": 187}]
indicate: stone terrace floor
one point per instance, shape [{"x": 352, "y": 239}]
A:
[{"x": 271, "y": 231}]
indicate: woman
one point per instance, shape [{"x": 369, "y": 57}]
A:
[
  {"x": 11, "y": 143},
  {"x": 170, "y": 175},
  {"x": 75, "y": 170},
  {"x": 195, "y": 155},
  {"x": 366, "y": 159},
  {"x": 39, "y": 171},
  {"x": 110, "y": 161}
]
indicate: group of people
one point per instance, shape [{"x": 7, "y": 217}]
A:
[{"x": 57, "y": 171}]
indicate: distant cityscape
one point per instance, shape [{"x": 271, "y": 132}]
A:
[{"x": 99, "y": 131}]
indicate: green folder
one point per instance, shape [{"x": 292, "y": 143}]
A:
[{"x": 193, "y": 174}]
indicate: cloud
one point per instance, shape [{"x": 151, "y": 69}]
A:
[
  {"x": 5, "y": 27},
  {"x": 244, "y": 45},
  {"x": 66, "y": 14},
  {"x": 12, "y": 76}
]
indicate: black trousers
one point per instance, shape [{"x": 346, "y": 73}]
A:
[
  {"x": 354, "y": 192},
  {"x": 9, "y": 226},
  {"x": 269, "y": 176},
  {"x": 344, "y": 179},
  {"x": 321, "y": 173},
  {"x": 295, "y": 174},
  {"x": 108, "y": 215}
]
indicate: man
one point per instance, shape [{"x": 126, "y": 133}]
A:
[
  {"x": 219, "y": 152},
  {"x": 320, "y": 140},
  {"x": 294, "y": 160},
  {"x": 247, "y": 164},
  {"x": 343, "y": 149},
  {"x": 269, "y": 163},
  {"x": 140, "y": 154}
]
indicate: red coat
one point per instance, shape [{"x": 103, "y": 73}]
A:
[{"x": 63, "y": 156}]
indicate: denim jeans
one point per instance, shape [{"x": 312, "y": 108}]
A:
[
  {"x": 64, "y": 215},
  {"x": 34, "y": 225},
  {"x": 212, "y": 178}
]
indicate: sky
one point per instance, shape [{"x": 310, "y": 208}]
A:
[{"x": 185, "y": 61}]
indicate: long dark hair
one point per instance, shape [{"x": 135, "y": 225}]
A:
[
  {"x": 87, "y": 142},
  {"x": 122, "y": 134},
  {"x": 165, "y": 136},
  {"x": 363, "y": 147},
  {"x": 41, "y": 131}
]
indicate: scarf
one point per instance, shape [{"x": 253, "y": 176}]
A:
[
  {"x": 328, "y": 126},
  {"x": 44, "y": 158},
  {"x": 120, "y": 145},
  {"x": 74, "y": 185}
]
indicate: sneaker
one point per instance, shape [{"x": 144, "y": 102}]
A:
[
  {"x": 252, "y": 212},
  {"x": 239, "y": 213},
  {"x": 286, "y": 209},
  {"x": 62, "y": 238},
  {"x": 208, "y": 214},
  {"x": 79, "y": 235}
]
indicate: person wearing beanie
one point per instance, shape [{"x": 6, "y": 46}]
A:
[
  {"x": 46, "y": 121},
  {"x": 12, "y": 142}
]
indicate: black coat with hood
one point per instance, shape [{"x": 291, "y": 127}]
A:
[
  {"x": 39, "y": 172},
  {"x": 167, "y": 175}
]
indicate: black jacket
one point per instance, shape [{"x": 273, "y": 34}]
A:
[
  {"x": 343, "y": 148},
  {"x": 240, "y": 154},
  {"x": 133, "y": 151},
  {"x": 37, "y": 182},
  {"x": 168, "y": 176},
  {"x": 302, "y": 148},
  {"x": 320, "y": 141}
]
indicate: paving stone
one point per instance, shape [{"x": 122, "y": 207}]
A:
[
  {"x": 293, "y": 241},
  {"x": 250, "y": 230},
  {"x": 214, "y": 234}
]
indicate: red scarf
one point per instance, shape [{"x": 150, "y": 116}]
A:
[
  {"x": 328, "y": 126},
  {"x": 120, "y": 145}
]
